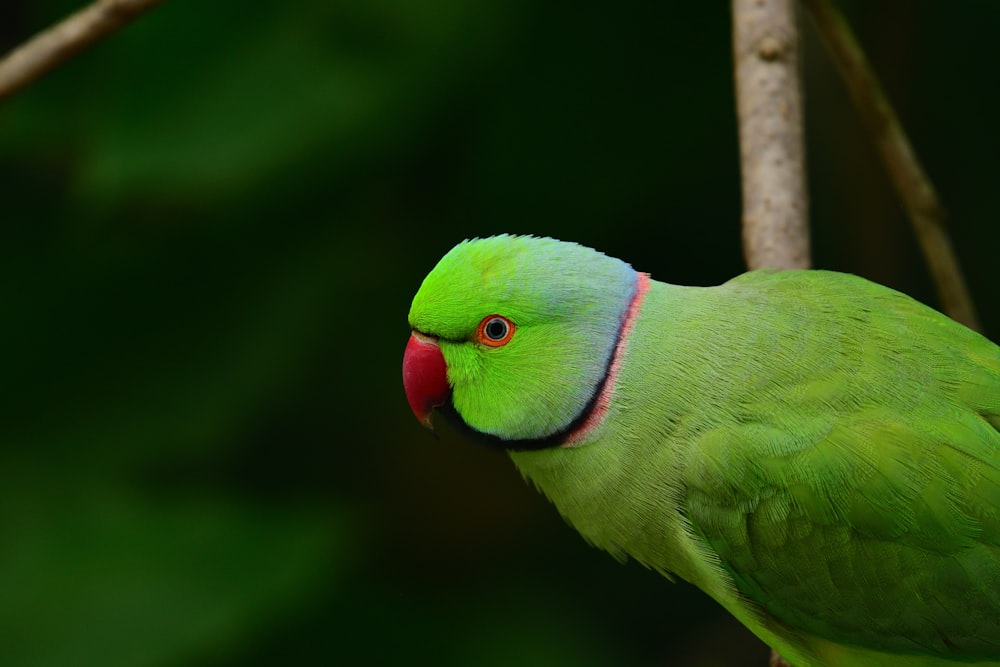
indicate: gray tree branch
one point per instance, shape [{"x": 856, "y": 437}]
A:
[
  {"x": 62, "y": 41},
  {"x": 769, "y": 111}
]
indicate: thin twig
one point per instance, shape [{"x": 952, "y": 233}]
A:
[
  {"x": 769, "y": 109},
  {"x": 64, "y": 40},
  {"x": 924, "y": 209}
]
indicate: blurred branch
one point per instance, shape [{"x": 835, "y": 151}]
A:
[
  {"x": 923, "y": 207},
  {"x": 64, "y": 40},
  {"x": 769, "y": 110}
]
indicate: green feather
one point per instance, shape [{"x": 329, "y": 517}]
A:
[{"x": 818, "y": 453}]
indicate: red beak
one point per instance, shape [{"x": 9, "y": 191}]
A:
[{"x": 425, "y": 376}]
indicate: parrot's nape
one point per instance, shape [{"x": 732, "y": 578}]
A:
[{"x": 818, "y": 453}]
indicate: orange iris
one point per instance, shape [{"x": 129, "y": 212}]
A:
[{"x": 494, "y": 331}]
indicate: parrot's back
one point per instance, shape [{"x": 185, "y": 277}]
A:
[{"x": 819, "y": 453}]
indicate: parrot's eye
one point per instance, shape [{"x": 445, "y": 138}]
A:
[{"x": 495, "y": 330}]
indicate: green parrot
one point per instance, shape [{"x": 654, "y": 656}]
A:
[{"x": 818, "y": 453}]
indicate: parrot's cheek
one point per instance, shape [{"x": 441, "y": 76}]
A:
[{"x": 425, "y": 376}]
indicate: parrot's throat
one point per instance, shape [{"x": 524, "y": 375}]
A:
[{"x": 592, "y": 414}]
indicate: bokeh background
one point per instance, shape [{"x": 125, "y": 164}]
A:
[{"x": 213, "y": 224}]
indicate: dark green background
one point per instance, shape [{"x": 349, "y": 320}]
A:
[{"x": 212, "y": 226}]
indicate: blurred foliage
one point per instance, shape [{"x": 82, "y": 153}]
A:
[{"x": 213, "y": 223}]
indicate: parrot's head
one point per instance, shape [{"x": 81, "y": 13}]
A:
[{"x": 514, "y": 337}]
